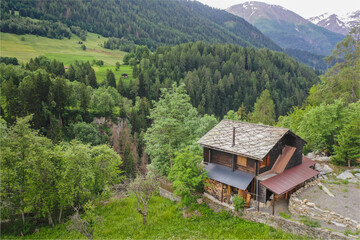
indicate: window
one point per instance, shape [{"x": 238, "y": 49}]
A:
[
  {"x": 265, "y": 162},
  {"x": 242, "y": 161}
]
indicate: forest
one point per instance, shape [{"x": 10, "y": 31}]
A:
[
  {"x": 151, "y": 23},
  {"x": 221, "y": 77}
]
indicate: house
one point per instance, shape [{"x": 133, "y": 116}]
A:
[
  {"x": 254, "y": 161},
  {"x": 124, "y": 75}
]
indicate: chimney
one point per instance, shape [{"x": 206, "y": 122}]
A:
[{"x": 233, "y": 142}]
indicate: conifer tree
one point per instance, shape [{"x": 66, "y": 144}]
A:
[{"x": 264, "y": 109}]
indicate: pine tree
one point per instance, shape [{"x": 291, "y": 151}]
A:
[
  {"x": 129, "y": 162},
  {"x": 92, "y": 78},
  {"x": 264, "y": 109},
  {"x": 110, "y": 78}
]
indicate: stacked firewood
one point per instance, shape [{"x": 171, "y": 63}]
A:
[{"x": 213, "y": 188}]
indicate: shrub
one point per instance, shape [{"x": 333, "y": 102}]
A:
[{"x": 238, "y": 203}]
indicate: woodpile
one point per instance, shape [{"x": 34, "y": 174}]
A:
[{"x": 213, "y": 188}]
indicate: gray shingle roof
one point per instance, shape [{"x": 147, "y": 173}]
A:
[{"x": 251, "y": 140}]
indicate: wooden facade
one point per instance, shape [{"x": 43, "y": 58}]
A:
[
  {"x": 245, "y": 164},
  {"x": 236, "y": 162}
]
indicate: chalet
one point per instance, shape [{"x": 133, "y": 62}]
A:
[
  {"x": 124, "y": 75},
  {"x": 254, "y": 161}
]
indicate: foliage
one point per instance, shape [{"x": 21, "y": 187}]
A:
[
  {"x": 342, "y": 80},
  {"x": 104, "y": 101},
  {"x": 121, "y": 221},
  {"x": 84, "y": 224},
  {"x": 264, "y": 109},
  {"x": 40, "y": 177},
  {"x": 238, "y": 202},
  {"x": 314, "y": 61},
  {"x": 121, "y": 44},
  {"x": 329, "y": 120},
  {"x": 152, "y": 23},
  {"x": 220, "y": 77},
  {"x": 86, "y": 133},
  {"x": 21, "y": 25},
  {"x": 9, "y": 60},
  {"x": 110, "y": 79},
  {"x": 143, "y": 187},
  {"x": 348, "y": 139},
  {"x": 175, "y": 125},
  {"x": 187, "y": 175},
  {"x": 240, "y": 115}
]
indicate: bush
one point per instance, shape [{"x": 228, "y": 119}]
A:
[{"x": 238, "y": 203}]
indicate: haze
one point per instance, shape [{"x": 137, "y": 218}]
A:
[{"x": 305, "y": 8}]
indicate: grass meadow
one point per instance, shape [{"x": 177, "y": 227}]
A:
[
  {"x": 65, "y": 50},
  {"x": 120, "y": 220}
]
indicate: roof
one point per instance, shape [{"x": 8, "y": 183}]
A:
[
  {"x": 225, "y": 175},
  {"x": 251, "y": 140},
  {"x": 307, "y": 161},
  {"x": 289, "y": 179}
]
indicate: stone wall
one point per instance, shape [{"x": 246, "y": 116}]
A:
[
  {"x": 277, "y": 222},
  {"x": 306, "y": 208},
  {"x": 167, "y": 194}
]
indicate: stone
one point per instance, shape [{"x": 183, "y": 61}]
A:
[
  {"x": 345, "y": 175},
  {"x": 326, "y": 190},
  {"x": 323, "y": 168},
  {"x": 357, "y": 175},
  {"x": 323, "y": 159},
  {"x": 310, "y": 204},
  {"x": 305, "y": 200},
  {"x": 338, "y": 224},
  {"x": 358, "y": 226},
  {"x": 311, "y": 155},
  {"x": 199, "y": 200},
  {"x": 353, "y": 180}
]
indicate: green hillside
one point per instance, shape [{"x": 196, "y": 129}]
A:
[
  {"x": 65, "y": 50},
  {"x": 152, "y": 23},
  {"x": 120, "y": 220}
]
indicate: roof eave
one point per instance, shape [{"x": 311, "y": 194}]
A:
[{"x": 231, "y": 152}]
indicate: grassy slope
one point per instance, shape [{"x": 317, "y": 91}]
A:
[
  {"x": 121, "y": 220},
  {"x": 65, "y": 50}
]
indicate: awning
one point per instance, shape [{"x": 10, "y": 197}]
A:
[
  {"x": 225, "y": 175},
  {"x": 289, "y": 179}
]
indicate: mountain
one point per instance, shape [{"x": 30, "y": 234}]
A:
[
  {"x": 151, "y": 22},
  {"x": 337, "y": 23},
  {"x": 286, "y": 28}
]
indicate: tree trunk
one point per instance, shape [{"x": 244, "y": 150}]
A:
[
  {"x": 22, "y": 208},
  {"x": 51, "y": 222},
  {"x": 144, "y": 215},
  {"x": 349, "y": 163},
  {"x": 60, "y": 120},
  {"x": 60, "y": 214},
  {"x": 144, "y": 219}
]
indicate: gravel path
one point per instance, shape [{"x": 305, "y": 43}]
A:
[{"x": 346, "y": 201}]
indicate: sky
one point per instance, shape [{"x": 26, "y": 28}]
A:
[{"x": 305, "y": 8}]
